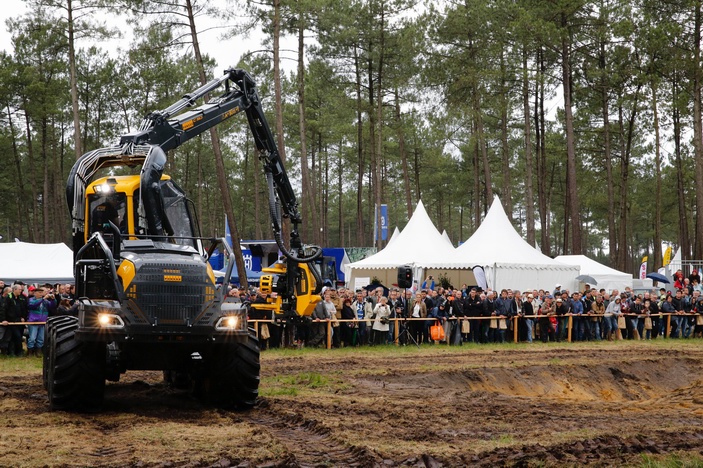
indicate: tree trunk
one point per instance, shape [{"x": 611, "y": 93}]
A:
[
  {"x": 698, "y": 129},
  {"x": 628, "y": 137},
  {"x": 484, "y": 153},
  {"x": 657, "y": 260},
  {"x": 340, "y": 209},
  {"x": 74, "y": 85},
  {"x": 379, "y": 134},
  {"x": 360, "y": 154},
  {"x": 607, "y": 155},
  {"x": 529, "y": 169},
  {"x": 684, "y": 240},
  {"x": 308, "y": 210},
  {"x": 31, "y": 209},
  {"x": 504, "y": 101},
  {"x": 219, "y": 160},
  {"x": 403, "y": 156},
  {"x": 572, "y": 188},
  {"x": 540, "y": 139},
  {"x": 20, "y": 194},
  {"x": 476, "y": 160}
]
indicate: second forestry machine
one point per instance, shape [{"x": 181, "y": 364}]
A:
[{"x": 147, "y": 295}]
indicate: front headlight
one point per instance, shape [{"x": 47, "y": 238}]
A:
[
  {"x": 231, "y": 323},
  {"x": 110, "y": 321}
]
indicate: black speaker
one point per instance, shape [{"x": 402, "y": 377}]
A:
[
  {"x": 256, "y": 250},
  {"x": 405, "y": 276}
]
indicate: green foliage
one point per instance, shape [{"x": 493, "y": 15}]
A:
[{"x": 455, "y": 71}]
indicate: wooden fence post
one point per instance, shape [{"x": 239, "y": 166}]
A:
[
  {"x": 515, "y": 334},
  {"x": 329, "y": 334},
  {"x": 571, "y": 323}
]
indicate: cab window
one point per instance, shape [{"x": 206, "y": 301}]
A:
[{"x": 106, "y": 208}]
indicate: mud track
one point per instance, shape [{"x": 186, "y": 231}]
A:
[{"x": 605, "y": 404}]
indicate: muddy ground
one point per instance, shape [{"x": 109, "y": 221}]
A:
[{"x": 603, "y": 404}]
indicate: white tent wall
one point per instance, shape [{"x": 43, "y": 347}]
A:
[
  {"x": 529, "y": 277},
  {"x": 456, "y": 277},
  {"x": 606, "y": 278},
  {"x": 387, "y": 276},
  {"x": 36, "y": 263}
]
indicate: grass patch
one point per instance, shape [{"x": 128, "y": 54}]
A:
[
  {"x": 672, "y": 460},
  {"x": 19, "y": 365},
  {"x": 302, "y": 383}
]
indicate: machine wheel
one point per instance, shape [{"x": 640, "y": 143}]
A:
[
  {"x": 76, "y": 377},
  {"x": 49, "y": 328},
  {"x": 177, "y": 379},
  {"x": 232, "y": 381}
]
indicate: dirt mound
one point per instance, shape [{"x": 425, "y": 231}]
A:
[
  {"x": 611, "y": 381},
  {"x": 487, "y": 406}
]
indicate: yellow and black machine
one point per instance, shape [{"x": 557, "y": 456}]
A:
[{"x": 147, "y": 295}]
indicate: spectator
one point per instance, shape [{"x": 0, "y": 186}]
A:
[
  {"x": 38, "y": 307},
  {"x": 417, "y": 327},
  {"x": 678, "y": 279},
  {"x": 669, "y": 308},
  {"x": 563, "y": 308},
  {"x": 65, "y": 308},
  {"x": 677, "y": 320},
  {"x": 5, "y": 332},
  {"x": 363, "y": 311},
  {"x": 456, "y": 311},
  {"x": 428, "y": 283},
  {"x": 528, "y": 311},
  {"x": 381, "y": 315},
  {"x": 597, "y": 312},
  {"x": 577, "y": 308},
  {"x": 489, "y": 333},
  {"x": 336, "y": 315},
  {"x": 547, "y": 311},
  {"x": 322, "y": 313},
  {"x": 698, "y": 309},
  {"x": 612, "y": 312},
  {"x": 473, "y": 308},
  {"x": 15, "y": 311},
  {"x": 347, "y": 328}
]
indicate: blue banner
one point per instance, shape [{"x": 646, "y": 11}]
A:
[
  {"x": 228, "y": 235},
  {"x": 384, "y": 222}
]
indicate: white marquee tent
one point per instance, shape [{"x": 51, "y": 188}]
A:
[
  {"x": 419, "y": 244},
  {"x": 36, "y": 263},
  {"x": 606, "y": 277},
  {"x": 509, "y": 261}
]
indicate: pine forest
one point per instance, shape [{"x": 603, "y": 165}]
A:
[{"x": 583, "y": 117}]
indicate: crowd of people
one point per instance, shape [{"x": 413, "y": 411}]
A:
[
  {"x": 368, "y": 316},
  {"x": 20, "y": 303}
]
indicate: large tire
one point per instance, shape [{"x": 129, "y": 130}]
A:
[
  {"x": 49, "y": 328},
  {"x": 232, "y": 380},
  {"x": 76, "y": 377}
]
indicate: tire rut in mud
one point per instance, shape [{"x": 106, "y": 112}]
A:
[
  {"x": 308, "y": 442},
  {"x": 608, "y": 450}
]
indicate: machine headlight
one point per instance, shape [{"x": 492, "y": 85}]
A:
[
  {"x": 110, "y": 321},
  {"x": 231, "y": 323}
]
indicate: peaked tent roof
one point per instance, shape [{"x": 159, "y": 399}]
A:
[
  {"x": 419, "y": 244},
  {"x": 446, "y": 237},
  {"x": 497, "y": 242},
  {"x": 36, "y": 263},
  {"x": 396, "y": 233}
]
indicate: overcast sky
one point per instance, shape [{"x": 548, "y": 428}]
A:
[{"x": 225, "y": 52}]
